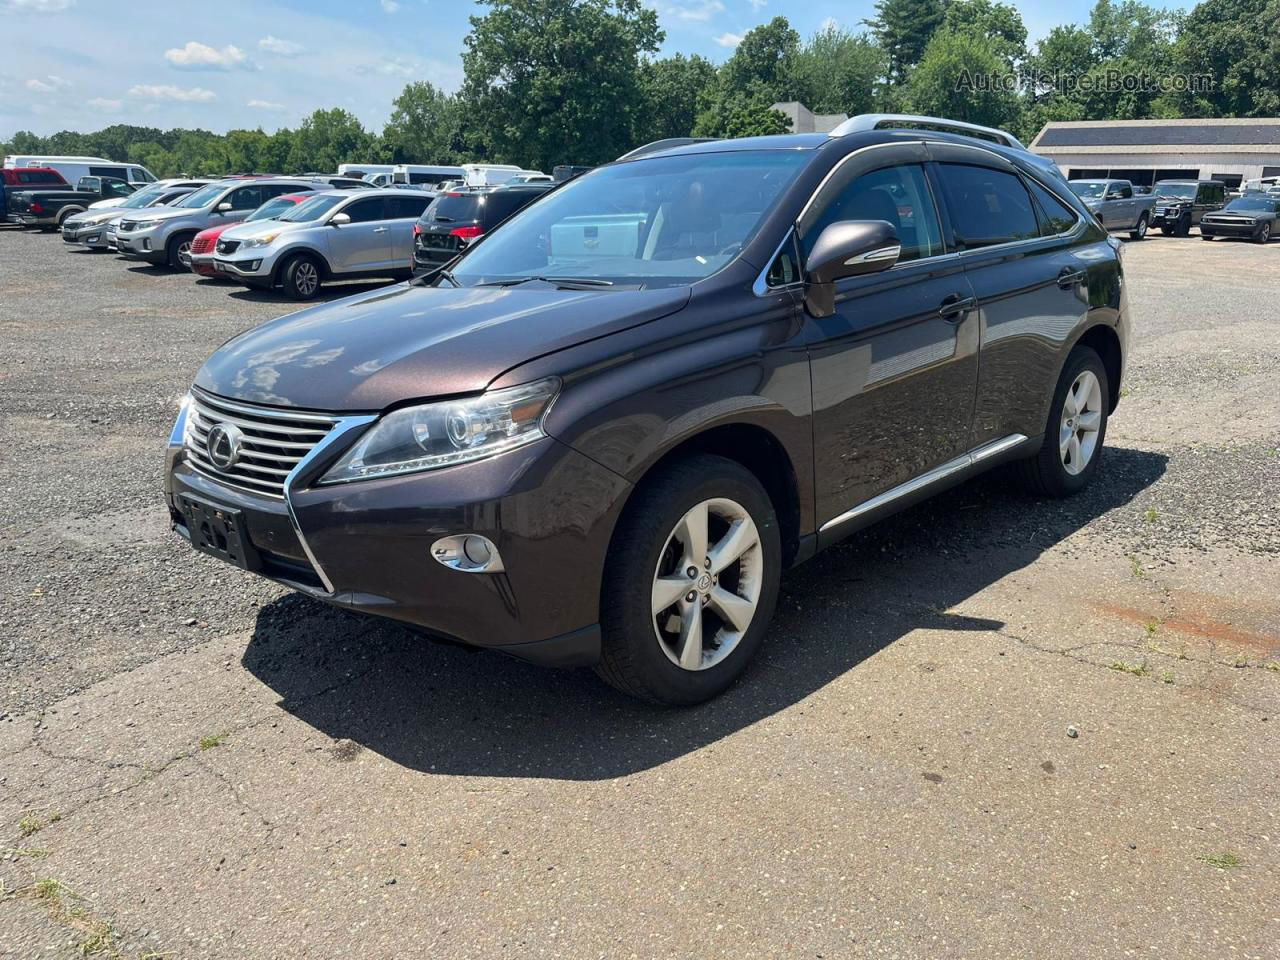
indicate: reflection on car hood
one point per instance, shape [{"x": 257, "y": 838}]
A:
[
  {"x": 407, "y": 342},
  {"x": 259, "y": 228},
  {"x": 163, "y": 213},
  {"x": 109, "y": 202}
]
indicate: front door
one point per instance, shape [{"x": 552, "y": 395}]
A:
[
  {"x": 362, "y": 244},
  {"x": 895, "y": 367}
]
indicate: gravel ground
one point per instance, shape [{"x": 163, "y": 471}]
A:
[{"x": 992, "y": 726}]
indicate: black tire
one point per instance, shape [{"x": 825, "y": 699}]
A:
[
  {"x": 1264, "y": 234},
  {"x": 632, "y": 656},
  {"x": 1140, "y": 231},
  {"x": 178, "y": 244},
  {"x": 1184, "y": 226},
  {"x": 1045, "y": 474},
  {"x": 1205, "y": 236},
  {"x": 301, "y": 277}
]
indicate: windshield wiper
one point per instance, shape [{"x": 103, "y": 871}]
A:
[{"x": 558, "y": 281}]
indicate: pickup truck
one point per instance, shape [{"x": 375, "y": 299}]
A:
[
  {"x": 1117, "y": 205},
  {"x": 26, "y": 178},
  {"x": 47, "y": 209}
]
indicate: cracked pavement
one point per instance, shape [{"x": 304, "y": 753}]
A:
[{"x": 990, "y": 727}]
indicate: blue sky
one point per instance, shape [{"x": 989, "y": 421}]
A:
[{"x": 84, "y": 64}]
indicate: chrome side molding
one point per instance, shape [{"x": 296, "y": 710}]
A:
[{"x": 938, "y": 473}]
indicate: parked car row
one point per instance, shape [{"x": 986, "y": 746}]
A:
[{"x": 1178, "y": 206}]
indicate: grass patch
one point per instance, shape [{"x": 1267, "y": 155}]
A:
[
  {"x": 1135, "y": 567},
  {"x": 1223, "y": 861},
  {"x": 214, "y": 740},
  {"x": 31, "y": 823},
  {"x": 1139, "y": 669},
  {"x": 1167, "y": 676},
  {"x": 1272, "y": 665},
  {"x": 1152, "y": 515}
]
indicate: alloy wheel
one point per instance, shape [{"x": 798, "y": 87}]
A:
[
  {"x": 184, "y": 253},
  {"x": 305, "y": 278},
  {"x": 707, "y": 584},
  {"x": 1142, "y": 228},
  {"x": 1081, "y": 421}
]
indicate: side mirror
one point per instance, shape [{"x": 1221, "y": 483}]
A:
[
  {"x": 847, "y": 248},
  {"x": 1114, "y": 195},
  {"x": 224, "y": 207},
  {"x": 338, "y": 219}
]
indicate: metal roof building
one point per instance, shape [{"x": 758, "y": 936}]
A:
[{"x": 1144, "y": 151}]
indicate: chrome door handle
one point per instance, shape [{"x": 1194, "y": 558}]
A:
[
  {"x": 380, "y": 229},
  {"x": 1069, "y": 278},
  {"x": 956, "y": 307}
]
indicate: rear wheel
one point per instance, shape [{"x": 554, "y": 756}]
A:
[
  {"x": 690, "y": 582},
  {"x": 1077, "y": 428},
  {"x": 301, "y": 277},
  {"x": 1140, "y": 231},
  {"x": 177, "y": 251}
]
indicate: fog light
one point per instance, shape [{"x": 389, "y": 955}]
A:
[
  {"x": 468, "y": 553},
  {"x": 146, "y": 244}
]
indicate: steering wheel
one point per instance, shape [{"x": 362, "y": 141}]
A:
[{"x": 729, "y": 250}]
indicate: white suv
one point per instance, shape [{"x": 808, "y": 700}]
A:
[
  {"x": 335, "y": 235},
  {"x": 164, "y": 235}
]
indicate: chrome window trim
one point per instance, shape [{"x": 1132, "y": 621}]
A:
[
  {"x": 761, "y": 287},
  {"x": 977, "y": 455}
]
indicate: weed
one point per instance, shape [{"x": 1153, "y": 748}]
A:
[
  {"x": 1167, "y": 676},
  {"x": 1273, "y": 666},
  {"x": 1223, "y": 861},
  {"x": 1135, "y": 567},
  {"x": 1152, "y": 515},
  {"x": 31, "y": 852},
  {"x": 1151, "y": 626},
  {"x": 30, "y": 824},
  {"x": 214, "y": 740},
  {"x": 1139, "y": 669}
]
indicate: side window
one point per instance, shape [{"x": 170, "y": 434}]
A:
[
  {"x": 364, "y": 211},
  {"x": 1058, "y": 217},
  {"x": 899, "y": 195},
  {"x": 118, "y": 188},
  {"x": 1126, "y": 192},
  {"x": 118, "y": 172},
  {"x": 246, "y": 198},
  {"x": 270, "y": 193},
  {"x": 405, "y": 208},
  {"x": 498, "y": 206},
  {"x": 987, "y": 206}
]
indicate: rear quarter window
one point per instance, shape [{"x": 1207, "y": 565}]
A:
[{"x": 987, "y": 206}]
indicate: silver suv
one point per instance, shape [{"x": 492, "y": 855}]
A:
[
  {"x": 335, "y": 235},
  {"x": 164, "y": 235},
  {"x": 89, "y": 229}
]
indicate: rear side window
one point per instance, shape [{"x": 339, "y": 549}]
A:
[
  {"x": 501, "y": 204},
  {"x": 365, "y": 211},
  {"x": 1126, "y": 192},
  {"x": 1058, "y": 217},
  {"x": 898, "y": 195},
  {"x": 246, "y": 198},
  {"x": 987, "y": 206},
  {"x": 404, "y": 208},
  {"x": 40, "y": 177}
]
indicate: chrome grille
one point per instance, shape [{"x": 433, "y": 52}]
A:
[{"x": 273, "y": 441}]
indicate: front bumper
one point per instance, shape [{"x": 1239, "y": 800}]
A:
[
  {"x": 202, "y": 263},
  {"x": 1163, "y": 217},
  {"x": 1229, "y": 229},
  {"x": 94, "y": 237},
  {"x": 135, "y": 246},
  {"x": 254, "y": 269},
  {"x": 366, "y": 546},
  {"x": 30, "y": 220}
]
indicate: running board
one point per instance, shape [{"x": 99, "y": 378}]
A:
[{"x": 936, "y": 475}]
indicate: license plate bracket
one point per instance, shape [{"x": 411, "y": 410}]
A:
[{"x": 218, "y": 531}]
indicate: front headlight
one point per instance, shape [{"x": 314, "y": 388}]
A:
[
  {"x": 438, "y": 435},
  {"x": 261, "y": 241}
]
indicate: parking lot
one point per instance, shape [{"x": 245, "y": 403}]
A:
[{"x": 991, "y": 727}]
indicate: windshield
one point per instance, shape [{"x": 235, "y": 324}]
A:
[
  {"x": 143, "y": 198},
  {"x": 664, "y": 221},
  {"x": 1256, "y": 204},
  {"x": 271, "y": 209},
  {"x": 312, "y": 209},
  {"x": 1165, "y": 189},
  {"x": 202, "y": 197},
  {"x": 1088, "y": 189}
]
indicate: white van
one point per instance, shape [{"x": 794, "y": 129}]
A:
[
  {"x": 422, "y": 174},
  {"x": 489, "y": 174},
  {"x": 364, "y": 170},
  {"x": 73, "y": 168}
]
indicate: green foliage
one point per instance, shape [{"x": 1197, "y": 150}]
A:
[
  {"x": 840, "y": 71},
  {"x": 557, "y": 81},
  {"x": 762, "y": 71},
  {"x": 904, "y": 29},
  {"x": 326, "y": 139},
  {"x": 933, "y": 88},
  {"x": 1238, "y": 42},
  {"x": 424, "y": 123},
  {"x": 998, "y": 22},
  {"x": 672, "y": 88}
]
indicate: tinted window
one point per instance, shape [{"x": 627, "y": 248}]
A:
[
  {"x": 987, "y": 206},
  {"x": 313, "y": 209},
  {"x": 898, "y": 195},
  {"x": 116, "y": 188},
  {"x": 1126, "y": 191},
  {"x": 245, "y": 198},
  {"x": 402, "y": 208},
  {"x": 502, "y": 204},
  {"x": 1059, "y": 218},
  {"x": 117, "y": 172},
  {"x": 454, "y": 208},
  {"x": 365, "y": 211},
  {"x": 271, "y": 209},
  {"x": 44, "y": 177},
  {"x": 784, "y": 269}
]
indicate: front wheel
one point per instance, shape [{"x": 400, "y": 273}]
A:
[
  {"x": 1205, "y": 236},
  {"x": 1077, "y": 427},
  {"x": 301, "y": 277},
  {"x": 1264, "y": 234},
  {"x": 690, "y": 582},
  {"x": 178, "y": 252},
  {"x": 1140, "y": 231}
]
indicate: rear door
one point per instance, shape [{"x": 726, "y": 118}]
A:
[
  {"x": 1125, "y": 210},
  {"x": 894, "y": 369},
  {"x": 1028, "y": 269},
  {"x": 362, "y": 244},
  {"x": 402, "y": 213}
]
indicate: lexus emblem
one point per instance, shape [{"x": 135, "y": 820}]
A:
[{"x": 223, "y": 444}]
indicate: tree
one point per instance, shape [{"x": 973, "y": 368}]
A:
[
  {"x": 761, "y": 72},
  {"x": 938, "y": 83},
  {"x": 904, "y": 28},
  {"x": 999, "y": 22},
  {"x": 672, "y": 88},
  {"x": 841, "y": 71},
  {"x": 1237, "y": 44},
  {"x": 557, "y": 81},
  {"x": 326, "y": 139},
  {"x": 755, "y": 119},
  {"x": 423, "y": 127}
]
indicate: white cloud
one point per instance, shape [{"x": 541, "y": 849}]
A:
[
  {"x": 104, "y": 103},
  {"x": 149, "y": 91},
  {"x": 281, "y": 48},
  {"x": 697, "y": 11},
  {"x": 37, "y": 6},
  {"x": 265, "y": 105},
  {"x": 47, "y": 84},
  {"x": 729, "y": 39},
  {"x": 757, "y": 4},
  {"x": 390, "y": 6},
  {"x": 200, "y": 56}
]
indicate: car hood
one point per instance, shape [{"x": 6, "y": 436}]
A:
[
  {"x": 109, "y": 202},
  {"x": 259, "y": 228},
  {"x": 409, "y": 342},
  {"x": 164, "y": 213},
  {"x": 94, "y": 216}
]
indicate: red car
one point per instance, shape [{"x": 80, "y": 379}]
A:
[
  {"x": 201, "y": 257},
  {"x": 26, "y": 178}
]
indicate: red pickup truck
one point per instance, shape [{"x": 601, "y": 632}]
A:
[{"x": 26, "y": 178}]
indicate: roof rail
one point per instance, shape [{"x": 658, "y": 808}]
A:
[
  {"x": 659, "y": 145},
  {"x": 889, "y": 121}
]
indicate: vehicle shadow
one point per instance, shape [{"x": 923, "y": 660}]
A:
[
  {"x": 443, "y": 709},
  {"x": 328, "y": 292}
]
